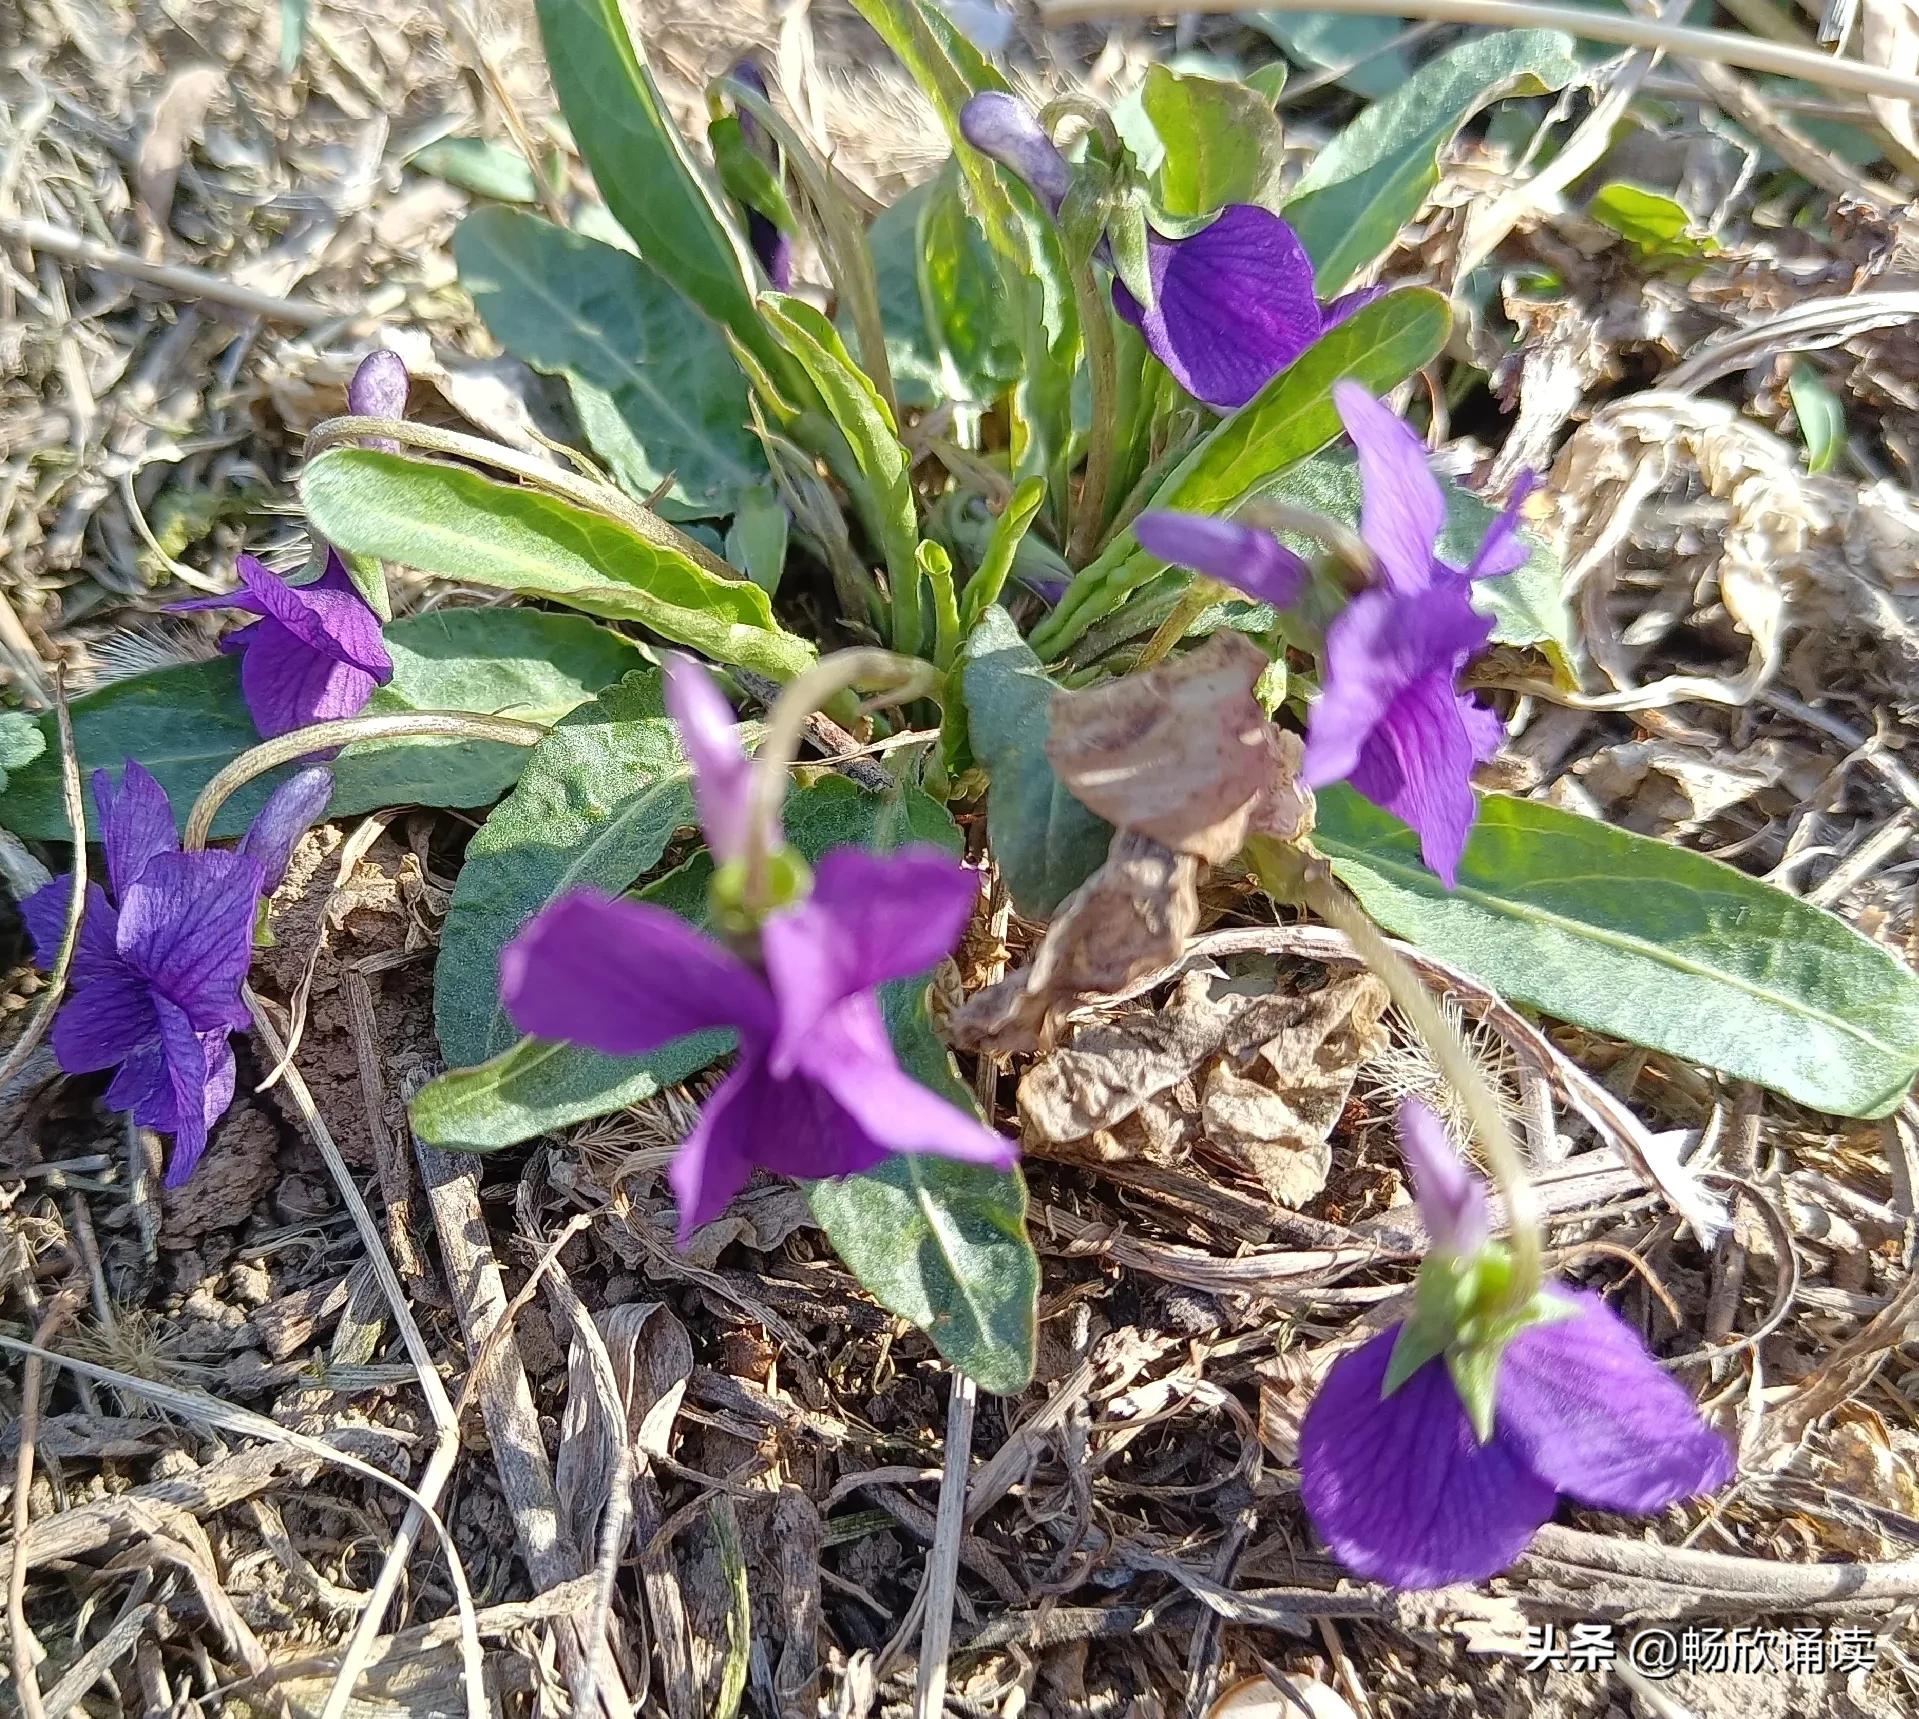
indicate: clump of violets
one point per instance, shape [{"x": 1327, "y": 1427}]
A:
[
  {"x": 816, "y": 1090},
  {"x": 316, "y": 652},
  {"x": 1390, "y": 718},
  {"x": 1227, "y": 306},
  {"x": 162, "y": 953},
  {"x": 1435, "y": 1451}
]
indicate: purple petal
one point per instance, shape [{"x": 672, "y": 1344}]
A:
[
  {"x": 327, "y": 615},
  {"x": 97, "y": 954},
  {"x": 378, "y": 390},
  {"x": 1388, "y": 719},
  {"x": 772, "y": 248},
  {"x": 714, "y": 1161},
  {"x": 1485, "y": 727},
  {"x": 1400, "y": 1488},
  {"x": 142, "y": 1086},
  {"x": 870, "y": 918},
  {"x": 1452, "y": 1200},
  {"x": 1592, "y": 1413},
  {"x": 1402, "y": 508},
  {"x": 1349, "y": 303},
  {"x": 136, "y": 823},
  {"x": 1005, "y": 128},
  {"x": 199, "y": 1084},
  {"x": 1502, "y": 550},
  {"x": 187, "y": 926},
  {"x": 1233, "y": 304},
  {"x": 849, "y": 1055},
  {"x": 288, "y": 685},
  {"x": 104, "y": 1023},
  {"x": 626, "y": 977},
  {"x": 1249, "y": 560},
  {"x": 722, "y": 773},
  {"x": 292, "y": 809}
]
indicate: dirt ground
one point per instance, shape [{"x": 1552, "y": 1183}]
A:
[{"x": 218, "y": 1483}]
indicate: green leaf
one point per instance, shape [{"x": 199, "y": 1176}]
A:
[
  {"x": 944, "y": 1245},
  {"x": 1646, "y": 942},
  {"x": 1821, "y": 414},
  {"x": 1290, "y": 418},
  {"x": 596, "y": 805},
  {"x": 1046, "y": 841},
  {"x": 1223, "y": 142},
  {"x": 1360, "y": 48},
  {"x": 1526, "y": 605},
  {"x": 21, "y": 741},
  {"x": 187, "y": 722},
  {"x": 1024, "y": 240},
  {"x": 961, "y": 295},
  {"x": 756, "y": 540},
  {"x": 642, "y": 166},
  {"x": 448, "y": 520},
  {"x": 911, "y": 352},
  {"x": 882, "y": 481},
  {"x": 656, "y": 387},
  {"x": 1375, "y": 175},
  {"x": 486, "y": 169}
]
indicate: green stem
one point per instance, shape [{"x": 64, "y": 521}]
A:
[
  {"x": 1102, "y": 366},
  {"x": 1328, "y": 898},
  {"x": 1009, "y": 531},
  {"x": 1199, "y": 596},
  {"x": 937, "y": 566},
  {"x": 325, "y": 736}
]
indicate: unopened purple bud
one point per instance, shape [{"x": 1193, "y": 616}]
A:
[
  {"x": 1451, "y": 1199},
  {"x": 1248, "y": 559},
  {"x": 378, "y": 390},
  {"x": 292, "y": 809},
  {"x": 1005, "y": 128}
]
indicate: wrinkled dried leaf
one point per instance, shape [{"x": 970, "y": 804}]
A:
[
  {"x": 1180, "y": 753},
  {"x": 1130, "y": 917},
  {"x": 1278, "y": 1112},
  {"x": 1889, "y": 37},
  {"x": 177, "y": 118}
]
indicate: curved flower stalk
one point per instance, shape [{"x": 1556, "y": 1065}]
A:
[
  {"x": 1390, "y": 718},
  {"x": 163, "y": 952},
  {"x": 1227, "y": 307},
  {"x": 816, "y": 1090},
  {"x": 1435, "y": 1451}
]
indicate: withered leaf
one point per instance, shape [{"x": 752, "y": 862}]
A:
[
  {"x": 1181, "y": 753},
  {"x": 1277, "y": 1111},
  {"x": 1130, "y": 917}
]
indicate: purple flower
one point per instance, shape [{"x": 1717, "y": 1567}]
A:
[
  {"x": 1233, "y": 303},
  {"x": 1390, "y": 717},
  {"x": 1452, "y": 1200},
  {"x": 156, "y": 973},
  {"x": 722, "y": 773},
  {"x": 1250, "y": 560},
  {"x": 770, "y": 243},
  {"x": 1402, "y": 1487},
  {"x": 816, "y": 1090},
  {"x": 314, "y": 655},
  {"x": 378, "y": 390}
]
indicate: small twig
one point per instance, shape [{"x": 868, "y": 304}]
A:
[
  {"x": 71, "y": 247},
  {"x": 76, "y": 810},
  {"x": 25, "y": 1648},
  {"x": 1728, "y": 47},
  {"x": 942, "y": 1560}
]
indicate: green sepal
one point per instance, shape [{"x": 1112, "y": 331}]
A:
[
  {"x": 788, "y": 879},
  {"x": 746, "y": 174},
  {"x": 1128, "y": 232},
  {"x": 263, "y": 937},
  {"x": 1082, "y": 218}
]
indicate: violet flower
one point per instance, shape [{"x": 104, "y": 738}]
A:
[
  {"x": 315, "y": 654},
  {"x": 162, "y": 952},
  {"x": 1248, "y": 559},
  {"x": 1233, "y": 302},
  {"x": 816, "y": 1090},
  {"x": 1398, "y": 1479},
  {"x": 378, "y": 389},
  {"x": 1390, "y": 718},
  {"x": 770, "y": 242}
]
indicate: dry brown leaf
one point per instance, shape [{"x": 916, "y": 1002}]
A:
[
  {"x": 1278, "y": 1113},
  {"x": 1129, "y": 918},
  {"x": 1889, "y": 37},
  {"x": 176, "y": 120},
  {"x": 1181, "y": 753}
]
